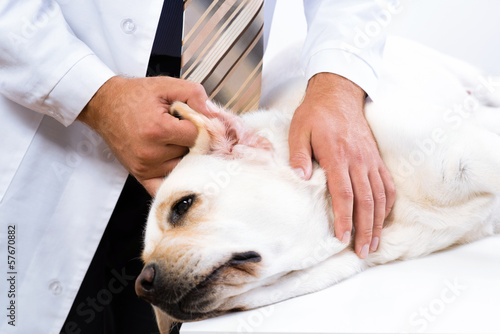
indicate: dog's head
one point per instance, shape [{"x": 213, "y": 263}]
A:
[{"x": 230, "y": 218}]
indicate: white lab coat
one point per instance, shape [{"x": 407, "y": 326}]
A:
[{"x": 59, "y": 182}]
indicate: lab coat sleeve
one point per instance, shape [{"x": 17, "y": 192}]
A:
[
  {"x": 346, "y": 37},
  {"x": 43, "y": 65}
]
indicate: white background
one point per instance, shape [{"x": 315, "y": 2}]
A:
[{"x": 466, "y": 29}]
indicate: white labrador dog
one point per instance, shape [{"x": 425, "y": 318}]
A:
[{"x": 233, "y": 228}]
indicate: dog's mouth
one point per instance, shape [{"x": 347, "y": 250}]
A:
[
  {"x": 201, "y": 302},
  {"x": 206, "y": 299}
]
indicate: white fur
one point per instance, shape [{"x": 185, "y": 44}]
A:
[{"x": 439, "y": 138}]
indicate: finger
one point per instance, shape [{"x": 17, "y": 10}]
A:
[
  {"x": 173, "y": 152},
  {"x": 156, "y": 162},
  {"x": 363, "y": 212},
  {"x": 390, "y": 190},
  {"x": 300, "y": 153},
  {"x": 194, "y": 95},
  {"x": 213, "y": 109},
  {"x": 379, "y": 198},
  {"x": 176, "y": 131},
  {"x": 340, "y": 188},
  {"x": 191, "y": 93},
  {"x": 169, "y": 165},
  {"x": 198, "y": 100},
  {"x": 150, "y": 174}
]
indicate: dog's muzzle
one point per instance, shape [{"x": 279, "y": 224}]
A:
[{"x": 189, "y": 297}]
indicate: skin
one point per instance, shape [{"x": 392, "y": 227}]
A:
[
  {"x": 330, "y": 126},
  {"x": 131, "y": 115}
]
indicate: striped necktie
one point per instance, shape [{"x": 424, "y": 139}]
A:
[{"x": 222, "y": 49}]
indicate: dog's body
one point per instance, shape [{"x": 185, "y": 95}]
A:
[{"x": 233, "y": 228}]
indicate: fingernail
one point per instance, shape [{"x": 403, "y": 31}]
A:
[
  {"x": 374, "y": 244},
  {"x": 347, "y": 237},
  {"x": 212, "y": 107},
  {"x": 364, "y": 252},
  {"x": 299, "y": 172}
]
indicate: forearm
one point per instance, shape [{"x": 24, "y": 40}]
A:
[{"x": 44, "y": 66}]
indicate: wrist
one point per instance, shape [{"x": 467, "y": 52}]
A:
[
  {"x": 96, "y": 108},
  {"x": 334, "y": 83},
  {"x": 333, "y": 89}
]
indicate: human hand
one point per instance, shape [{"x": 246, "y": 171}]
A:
[
  {"x": 330, "y": 125},
  {"x": 131, "y": 115}
]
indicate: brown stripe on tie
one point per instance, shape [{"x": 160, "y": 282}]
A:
[
  {"x": 196, "y": 58},
  {"x": 223, "y": 48},
  {"x": 236, "y": 66},
  {"x": 245, "y": 102},
  {"x": 205, "y": 29},
  {"x": 242, "y": 46},
  {"x": 227, "y": 34},
  {"x": 200, "y": 21},
  {"x": 255, "y": 75}
]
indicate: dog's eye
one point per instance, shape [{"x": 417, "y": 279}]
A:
[{"x": 180, "y": 208}]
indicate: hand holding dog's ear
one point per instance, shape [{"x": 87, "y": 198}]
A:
[
  {"x": 330, "y": 126},
  {"x": 132, "y": 117}
]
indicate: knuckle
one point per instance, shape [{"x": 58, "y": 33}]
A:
[
  {"x": 378, "y": 226},
  {"x": 138, "y": 169},
  {"x": 343, "y": 220},
  {"x": 300, "y": 157},
  {"x": 388, "y": 210},
  {"x": 365, "y": 232},
  {"x": 197, "y": 88},
  {"x": 358, "y": 158},
  {"x": 380, "y": 197},
  {"x": 346, "y": 193},
  {"x": 151, "y": 132},
  {"x": 378, "y": 222},
  {"x": 144, "y": 157},
  {"x": 391, "y": 190},
  {"x": 366, "y": 202}
]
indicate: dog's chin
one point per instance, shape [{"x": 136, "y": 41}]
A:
[
  {"x": 202, "y": 302},
  {"x": 195, "y": 309},
  {"x": 181, "y": 313}
]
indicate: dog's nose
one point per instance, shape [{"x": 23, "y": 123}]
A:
[
  {"x": 144, "y": 284},
  {"x": 245, "y": 257}
]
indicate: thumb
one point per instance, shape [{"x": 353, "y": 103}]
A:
[
  {"x": 300, "y": 155},
  {"x": 204, "y": 107}
]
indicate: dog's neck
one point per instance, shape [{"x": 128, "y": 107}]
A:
[{"x": 274, "y": 126}]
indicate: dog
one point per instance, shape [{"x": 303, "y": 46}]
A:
[{"x": 234, "y": 228}]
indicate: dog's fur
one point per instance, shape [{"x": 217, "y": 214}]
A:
[{"x": 252, "y": 233}]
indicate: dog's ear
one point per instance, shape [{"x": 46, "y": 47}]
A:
[
  {"x": 225, "y": 135},
  {"x": 237, "y": 137}
]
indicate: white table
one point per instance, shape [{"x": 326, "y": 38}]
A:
[{"x": 454, "y": 291}]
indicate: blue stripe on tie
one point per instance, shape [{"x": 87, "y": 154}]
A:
[{"x": 168, "y": 38}]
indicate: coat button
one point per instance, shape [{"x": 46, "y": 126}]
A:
[
  {"x": 128, "y": 26},
  {"x": 55, "y": 287}
]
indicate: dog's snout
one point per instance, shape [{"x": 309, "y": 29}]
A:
[
  {"x": 145, "y": 283},
  {"x": 245, "y": 257}
]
